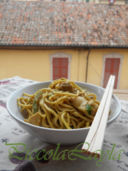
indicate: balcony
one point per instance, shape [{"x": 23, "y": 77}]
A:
[{"x": 120, "y": 2}]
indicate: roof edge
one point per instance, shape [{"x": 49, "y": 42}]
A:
[{"x": 42, "y": 46}]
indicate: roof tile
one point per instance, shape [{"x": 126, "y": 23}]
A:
[{"x": 63, "y": 23}]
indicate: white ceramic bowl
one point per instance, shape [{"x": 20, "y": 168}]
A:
[{"x": 55, "y": 136}]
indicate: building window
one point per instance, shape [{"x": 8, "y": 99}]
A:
[
  {"x": 60, "y": 66},
  {"x": 111, "y": 67}
]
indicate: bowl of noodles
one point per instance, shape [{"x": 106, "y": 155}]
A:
[{"x": 59, "y": 111}]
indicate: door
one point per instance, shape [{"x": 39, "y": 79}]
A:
[
  {"x": 60, "y": 67},
  {"x": 112, "y": 66}
]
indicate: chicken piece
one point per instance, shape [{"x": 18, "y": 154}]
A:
[
  {"x": 25, "y": 113},
  {"x": 66, "y": 87},
  {"x": 79, "y": 103},
  {"x": 35, "y": 119}
]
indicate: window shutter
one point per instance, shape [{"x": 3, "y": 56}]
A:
[
  {"x": 112, "y": 66},
  {"x": 60, "y": 67}
]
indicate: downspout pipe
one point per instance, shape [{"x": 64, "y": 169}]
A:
[{"x": 87, "y": 61}]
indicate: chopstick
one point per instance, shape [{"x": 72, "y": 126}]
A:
[{"x": 94, "y": 140}]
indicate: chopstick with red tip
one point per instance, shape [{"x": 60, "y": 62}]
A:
[{"x": 94, "y": 140}]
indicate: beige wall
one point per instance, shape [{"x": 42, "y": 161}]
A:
[
  {"x": 96, "y": 66},
  {"x": 35, "y": 64}
]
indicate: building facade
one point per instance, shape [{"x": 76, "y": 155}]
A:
[
  {"x": 120, "y": 2},
  {"x": 79, "y": 41},
  {"x": 74, "y": 64}
]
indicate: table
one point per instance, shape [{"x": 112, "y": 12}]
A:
[{"x": 116, "y": 139}]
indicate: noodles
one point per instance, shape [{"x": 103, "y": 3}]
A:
[{"x": 63, "y": 105}]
